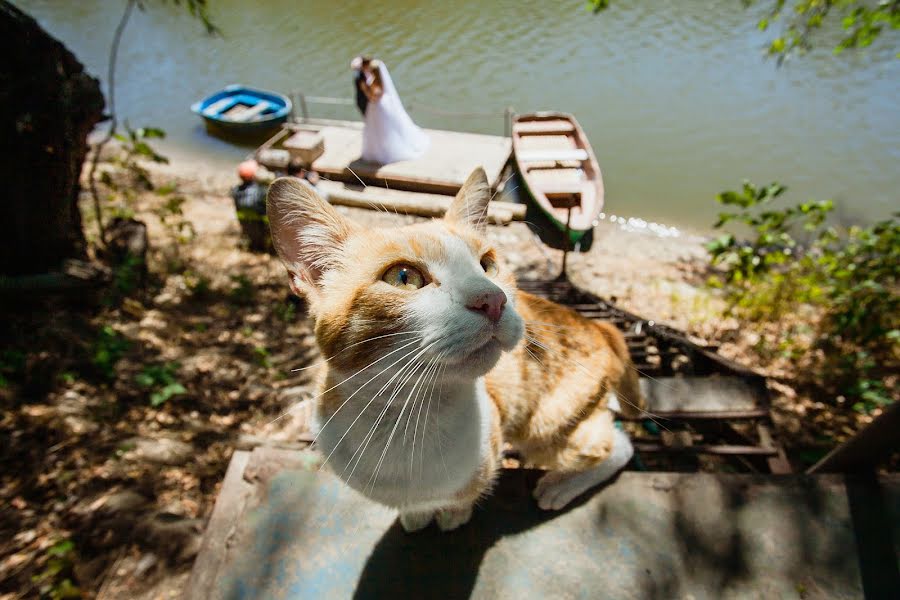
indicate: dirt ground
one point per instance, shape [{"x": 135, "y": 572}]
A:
[{"x": 108, "y": 492}]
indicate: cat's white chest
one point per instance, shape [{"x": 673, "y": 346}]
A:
[{"x": 417, "y": 449}]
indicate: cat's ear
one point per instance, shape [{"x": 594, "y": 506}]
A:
[
  {"x": 306, "y": 230},
  {"x": 471, "y": 203}
]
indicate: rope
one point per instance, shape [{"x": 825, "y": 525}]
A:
[
  {"x": 327, "y": 100},
  {"x": 417, "y": 105},
  {"x": 454, "y": 113}
]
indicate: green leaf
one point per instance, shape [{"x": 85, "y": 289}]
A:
[{"x": 61, "y": 548}]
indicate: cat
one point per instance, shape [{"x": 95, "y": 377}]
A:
[{"x": 434, "y": 359}]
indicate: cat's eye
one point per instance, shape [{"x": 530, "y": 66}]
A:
[
  {"x": 489, "y": 265},
  {"x": 405, "y": 277}
]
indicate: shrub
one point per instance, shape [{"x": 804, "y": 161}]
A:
[{"x": 841, "y": 285}]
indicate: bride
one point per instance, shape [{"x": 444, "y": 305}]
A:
[{"x": 389, "y": 134}]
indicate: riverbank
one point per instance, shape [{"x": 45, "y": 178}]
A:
[{"x": 133, "y": 407}]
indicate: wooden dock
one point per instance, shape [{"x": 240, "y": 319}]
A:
[
  {"x": 443, "y": 169},
  {"x": 282, "y": 530}
]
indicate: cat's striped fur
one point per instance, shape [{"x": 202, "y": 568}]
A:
[{"x": 435, "y": 359}]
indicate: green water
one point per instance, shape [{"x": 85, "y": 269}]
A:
[{"x": 676, "y": 96}]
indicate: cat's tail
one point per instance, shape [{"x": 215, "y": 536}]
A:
[{"x": 631, "y": 400}]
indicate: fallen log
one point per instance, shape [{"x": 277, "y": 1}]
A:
[{"x": 411, "y": 203}]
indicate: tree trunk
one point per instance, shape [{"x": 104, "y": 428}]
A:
[{"x": 49, "y": 105}]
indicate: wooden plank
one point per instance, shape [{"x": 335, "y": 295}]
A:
[
  {"x": 251, "y": 113},
  {"x": 553, "y": 155},
  {"x": 411, "y": 203},
  {"x": 450, "y": 159},
  {"x": 720, "y": 449},
  {"x": 701, "y": 397},
  {"x": 225, "y": 518},
  {"x": 304, "y": 534},
  {"x": 874, "y": 443},
  {"x": 543, "y": 127}
]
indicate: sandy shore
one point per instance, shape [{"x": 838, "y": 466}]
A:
[
  {"x": 222, "y": 321},
  {"x": 649, "y": 274}
]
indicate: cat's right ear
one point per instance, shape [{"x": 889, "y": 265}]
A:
[
  {"x": 471, "y": 203},
  {"x": 306, "y": 230}
]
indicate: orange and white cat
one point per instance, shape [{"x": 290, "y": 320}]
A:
[{"x": 435, "y": 359}]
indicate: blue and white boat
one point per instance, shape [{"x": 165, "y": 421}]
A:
[{"x": 243, "y": 112}]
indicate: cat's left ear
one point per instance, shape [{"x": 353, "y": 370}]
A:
[
  {"x": 471, "y": 203},
  {"x": 307, "y": 232}
]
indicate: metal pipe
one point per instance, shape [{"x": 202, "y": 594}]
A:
[{"x": 304, "y": 110}]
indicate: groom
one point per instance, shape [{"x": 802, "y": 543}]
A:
[{"x": 359, "y": 65}]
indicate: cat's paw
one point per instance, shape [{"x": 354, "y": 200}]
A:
[
  {"x": 556, "y": 489},
  {"x": 449, "y": 519},
  {"x": 414, "y": 521}
]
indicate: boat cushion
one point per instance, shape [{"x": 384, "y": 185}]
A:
[{"x": 554, "y": 155}]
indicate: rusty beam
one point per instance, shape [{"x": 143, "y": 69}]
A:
[{"x": 867, "y": 448}]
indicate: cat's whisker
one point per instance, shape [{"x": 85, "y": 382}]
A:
[
  {"x": 344, "y": 403},
  {"x": 432, "y": 366},
  {"x": 371, "y": 433},
  {"x": 360, "y": 451},
  {"x": 500, "y": 187},
  {"x": 374, "y": 479},
  {"x": 361, "y": 182},
  {"x": 396, "y": 375},
  {"x": 619, "y": 395},
  {"x": 371, "y": 339},
  {"x": 552, "y": 328},
  {"x": 291, "y": 409},
  {"x": 439, "y": 377},
  {"x": 431, "y": 377}
]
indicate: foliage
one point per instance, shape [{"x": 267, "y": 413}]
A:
[
  {"x": 127, "y": 277},
  {"x": 199, "y": 9},
  {"x": 837, "y": 292},
  {"x": 55, "y": 581},
  {"x": 12, "y": 364},
  {"x": 261, "y": 353},
  {"x": 162, "y": 381},
  {"x": 198, "y": 285},
  {"x": 108, "y": 348},
  {"x": 862, "y": 21},
  {"x": 243, "y": 292},
  {"x": 286, "y": 312},
  {"x": 171, "y": 215},
  {"x": 135, "y": 148}
]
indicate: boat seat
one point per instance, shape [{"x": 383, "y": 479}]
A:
[
  {"x": 567, "y": 194},
  {"x": 551, "y": 188},
  {"x": 220, "y": 106},
  {"x": 554, "y": 155},
  {"x": 543, "y": 127},
  {"x": 252, "y": 112}
]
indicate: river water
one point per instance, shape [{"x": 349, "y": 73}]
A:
[{"x": 676, "y": 96}]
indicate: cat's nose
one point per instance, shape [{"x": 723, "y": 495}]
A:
[{"x": 490, "y": 304}]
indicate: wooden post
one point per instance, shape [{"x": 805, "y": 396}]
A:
[
  {"x": 873, "y": 443},
  {"x": 508, "y": 113},
  {"x": 562, "y": 274},
  {"x": 303, "y": 108}
]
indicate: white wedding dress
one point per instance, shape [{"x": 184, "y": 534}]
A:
[{"x": 389, "y": 134}]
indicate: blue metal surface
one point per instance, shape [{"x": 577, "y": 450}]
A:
[
  {"x": 304, "y": 534},
  {"x": 214, "y": 107}
]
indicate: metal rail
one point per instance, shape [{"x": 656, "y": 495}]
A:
[{"x": 303, "y": 101}]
